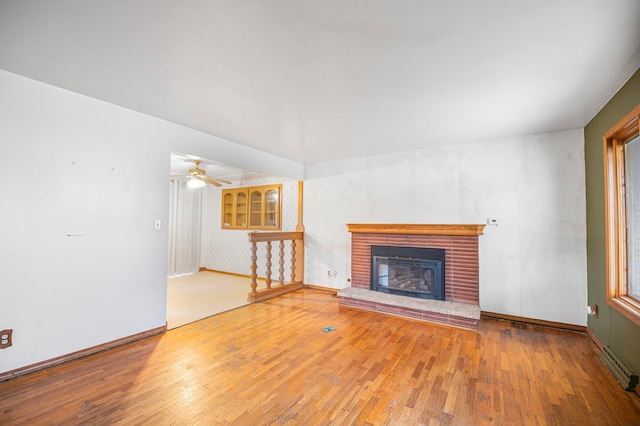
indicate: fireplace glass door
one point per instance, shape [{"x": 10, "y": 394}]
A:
[{"x": 408, "y": 277}]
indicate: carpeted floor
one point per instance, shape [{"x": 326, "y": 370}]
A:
[{"x": 194, "y": 297}]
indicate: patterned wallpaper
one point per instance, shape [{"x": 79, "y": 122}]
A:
[{"x": 229, "y": 250}]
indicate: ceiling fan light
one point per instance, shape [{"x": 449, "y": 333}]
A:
[{"x": 196, "y": 183}]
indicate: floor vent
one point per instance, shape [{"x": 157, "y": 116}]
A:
[{"x": 620, "y": 370}]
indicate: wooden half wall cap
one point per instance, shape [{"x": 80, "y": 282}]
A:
[{"x": 416, "y": 229}]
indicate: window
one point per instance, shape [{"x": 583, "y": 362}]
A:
[
  {"x": 256, "y": 207},
  {"x": 622, "y": 204},
  {"x": 632, "y": 212}
]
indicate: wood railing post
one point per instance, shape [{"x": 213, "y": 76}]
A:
[
  {"x": 254, "y": 267},
  {"x": 281, "y": 262},
  {"x": 293, "y": 260},
  {"x": 268, "y": 280}
]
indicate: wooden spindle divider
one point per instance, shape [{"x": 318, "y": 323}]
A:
[
  {"x": 281, "y": 269},
  {"x": 295, "y": 283},
  {"x": 293, "y": 261},
  {"x": 268, "y": 279},
  {"x": 254, "y": 267}
]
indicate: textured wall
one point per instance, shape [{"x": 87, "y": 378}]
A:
[{"x": 532, "y": 265}]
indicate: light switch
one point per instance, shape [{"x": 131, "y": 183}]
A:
[
  {"x": 492, "y": 221},
  {"x": 157, "y": 224}
]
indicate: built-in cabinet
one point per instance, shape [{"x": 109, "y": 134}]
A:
[
  {"x": 255, "y": 207},
  {"x": 234, "y": 208}
]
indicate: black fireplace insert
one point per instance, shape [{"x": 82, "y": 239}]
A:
[{"x": 408, "y": 271}]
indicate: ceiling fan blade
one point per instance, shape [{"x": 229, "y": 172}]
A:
[
  {"x": 209, "y": 180},
  {"x": 198, "y": 173}
]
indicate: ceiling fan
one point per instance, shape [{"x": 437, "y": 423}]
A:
[{"x": 198, "y": 178}]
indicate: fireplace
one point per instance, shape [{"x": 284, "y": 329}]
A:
[
  {"x": 458, "y": 304},
  {"x": 408, "y": 271}
]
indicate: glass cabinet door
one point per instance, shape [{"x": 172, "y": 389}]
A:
[
  {"x": 241, "y": 209},
  {"x": 271, "y": 208},
  {"x": 256, "y": 209},
  {"x": 227, "y": 210}
]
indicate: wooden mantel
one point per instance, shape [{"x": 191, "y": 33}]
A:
[{"x": 416, "y": 229}]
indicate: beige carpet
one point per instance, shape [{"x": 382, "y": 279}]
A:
[{"x": 194, "y": 297}]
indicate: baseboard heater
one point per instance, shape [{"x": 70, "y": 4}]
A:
[{"x": 620, "y": 370}]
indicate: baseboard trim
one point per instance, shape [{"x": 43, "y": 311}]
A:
[
  {"x": 228, "y": 273},
  {"x": 311, "y": 286},
  {"x": 544, "y": 323},
  {"x": 224, "y": 272},
  {"x": 22, "y": 371},
  {"x": 595, "y": 340},
  {"x": 321, "y": 288},
  {"x": 317, "y": 287}
]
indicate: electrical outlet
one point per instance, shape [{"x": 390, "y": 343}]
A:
[{"x": 5, "y": 338}]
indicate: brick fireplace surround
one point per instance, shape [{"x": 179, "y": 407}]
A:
[{"x": 460, "y": 242}]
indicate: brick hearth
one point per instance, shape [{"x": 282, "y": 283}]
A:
[{"x": 460, "y": 243}]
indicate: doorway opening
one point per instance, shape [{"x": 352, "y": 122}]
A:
[{"x": 193, "y": 293}]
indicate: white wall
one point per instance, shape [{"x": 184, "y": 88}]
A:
[
  {"x": 81, "y": 183},
  {"x": 229, "y": 250},
  {"x": 533, "y": 264}
]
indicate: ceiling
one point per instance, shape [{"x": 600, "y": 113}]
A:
[{"x": 324, "y": 80}]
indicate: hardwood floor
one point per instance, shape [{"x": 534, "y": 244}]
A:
[{"x": 272, "y": 363}]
